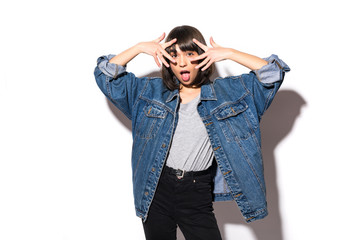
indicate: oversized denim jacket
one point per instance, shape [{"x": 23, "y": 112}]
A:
[{"x": 230, "y": 108}]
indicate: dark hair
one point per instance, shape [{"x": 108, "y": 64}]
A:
[{"x": 185, "y": 35}]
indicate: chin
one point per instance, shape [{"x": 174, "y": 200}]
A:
[{"x": 186, "y": 84}]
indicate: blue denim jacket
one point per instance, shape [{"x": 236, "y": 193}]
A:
[{"x": 231, "y": 109}]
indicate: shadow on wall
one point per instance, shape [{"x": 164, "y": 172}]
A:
[{"x": 275, "y": 125}]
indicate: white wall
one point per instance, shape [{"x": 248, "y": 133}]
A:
[{"x": 65, "y": 152}]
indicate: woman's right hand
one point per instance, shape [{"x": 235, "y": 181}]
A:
[
  {"x": 154, "y": 48},
  {"x": 157, "y": 49}
]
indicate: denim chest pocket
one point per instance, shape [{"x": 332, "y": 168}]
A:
[
  {"x": 236, "y": 120},
  {"x": 151, "y": 120}
]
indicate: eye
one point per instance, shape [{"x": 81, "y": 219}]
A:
[
  {"x": 190, "y": 54},
  {"x": 173, "y": 55}
]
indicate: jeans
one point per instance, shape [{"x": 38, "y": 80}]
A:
[{"x": 186, "y": 203}]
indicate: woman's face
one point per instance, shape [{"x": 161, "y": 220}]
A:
[{"x": 184, "y": 69}]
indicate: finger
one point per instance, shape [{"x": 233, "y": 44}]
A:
[
  {"x": 164, "y": 62},
  {"x": 159, "y": 39},
  {"x": 165, "y": 54},
  {"x": 169, "y": 43},
  {"x": 156, "y": 60},
  {"x": 207, "y": 65},
  {"x": 203, "y": 63},
  {"x": 212, "y": 42},
  {"x": 162, "y": 59},
  {"x": 202, "y": 46},
  {"x": 202, "y": 56}
]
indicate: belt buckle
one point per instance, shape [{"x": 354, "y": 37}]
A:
[{"x": 179, "y": 173}]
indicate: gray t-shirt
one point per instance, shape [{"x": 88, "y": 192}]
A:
[{"x": 190, "y": 149}]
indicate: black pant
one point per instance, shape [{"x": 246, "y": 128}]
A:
[{"x": 186, "y": 203}]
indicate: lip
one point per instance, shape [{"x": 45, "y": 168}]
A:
[{"x": 185, "y": 75}]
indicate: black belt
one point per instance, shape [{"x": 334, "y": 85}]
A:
[{"x": 182, "y": 173}]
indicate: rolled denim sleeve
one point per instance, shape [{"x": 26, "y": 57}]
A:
[
  {"x": 120, "y": 87},
  {"x": 273, "y": 71},
  {"x": 265, "y": 82},
  {"x": 110, "y": 69}
]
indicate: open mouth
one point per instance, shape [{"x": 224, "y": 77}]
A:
[{"x": 185, "y": 75}]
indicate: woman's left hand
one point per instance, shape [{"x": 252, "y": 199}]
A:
[{"x": 212, "y": 54}]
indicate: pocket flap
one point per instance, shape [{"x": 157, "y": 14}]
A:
[
  {"x": 155, "y": 111},
  {"x": 231, "y": 110}
]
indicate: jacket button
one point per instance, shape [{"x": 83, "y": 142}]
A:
[
  {"x": 238, "y": 195},
  {"x": 153, "y": 169},
  {"x": 163, "y": 146},
  {"x": 146, "y": 193}
]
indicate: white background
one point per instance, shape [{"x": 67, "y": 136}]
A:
[{"x": 65, "y": 152}]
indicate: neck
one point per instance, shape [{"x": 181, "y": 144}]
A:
[{"x": 188, "y": 93}]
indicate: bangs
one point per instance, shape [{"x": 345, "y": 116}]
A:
[
  {"x": 185, "y": 36},
  {"x": 185, "y": 45}
]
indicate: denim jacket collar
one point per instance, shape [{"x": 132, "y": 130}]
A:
[
  {"x": 207, "y": 93},
  {"x": 172, "y": 94}
]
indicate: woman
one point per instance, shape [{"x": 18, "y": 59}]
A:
[{"x": 195, "y": 140}]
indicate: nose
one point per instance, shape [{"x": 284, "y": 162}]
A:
[{"x": 182, "y": 61}]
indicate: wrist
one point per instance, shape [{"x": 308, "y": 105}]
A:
[
  {"x": 137, "y": 48},
  {"x": 140, "y": 48},
  {"x": 126, "y": 56},
  {"x": 233, "y": 54}
]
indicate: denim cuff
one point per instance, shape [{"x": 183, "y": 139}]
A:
[
  {"x": 110, "y": 69},
  {"x": 273, "y": 71}
]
